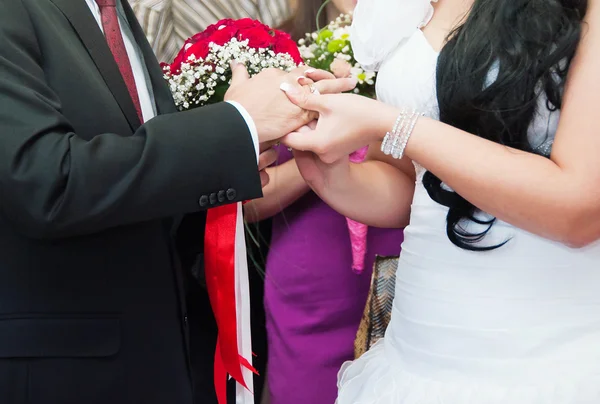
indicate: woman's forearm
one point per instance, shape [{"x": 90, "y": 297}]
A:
[
  {"x": 374, "y": 193},
  {"x": 527, "y": 190},
  {"x": 524, "y": 189},
  {"x": 285, "y": 186}
]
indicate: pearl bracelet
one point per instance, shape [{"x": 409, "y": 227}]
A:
[{"x": 394, "y": 143}]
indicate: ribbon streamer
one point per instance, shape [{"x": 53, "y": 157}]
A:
[{"x": 227, "y": 281}]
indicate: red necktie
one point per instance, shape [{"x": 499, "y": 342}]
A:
[{"x": 114, "y": 37}]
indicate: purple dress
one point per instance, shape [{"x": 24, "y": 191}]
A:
[{"x": 314, "y": 301}]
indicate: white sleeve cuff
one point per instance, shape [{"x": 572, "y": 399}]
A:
[{"x": 251, "y": 125}]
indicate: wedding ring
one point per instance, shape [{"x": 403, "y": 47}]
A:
[{"x": 313, "y": 89}]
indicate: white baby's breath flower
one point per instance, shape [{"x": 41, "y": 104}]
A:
[
  {"x": 197, "y": 80},
  {"x": 340, "y": 33}
]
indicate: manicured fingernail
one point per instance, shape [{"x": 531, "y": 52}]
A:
[
  {"x": 286, "y": 87},
  {"x": 309, "y": 71},
  {"x": 299, "y": 78},
  {"x": 234, "y": 64}
]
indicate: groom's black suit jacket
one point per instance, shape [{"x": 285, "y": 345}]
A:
[{"x": 92, "y": 295}]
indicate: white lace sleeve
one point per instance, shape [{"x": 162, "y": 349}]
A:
[{"x": 379, "y": 26}]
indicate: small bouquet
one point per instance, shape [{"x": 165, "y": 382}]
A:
[
  {"x": 201, "y": 73},
  {"x": 330, "y": 49}
]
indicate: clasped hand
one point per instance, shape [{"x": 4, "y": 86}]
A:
[
  {"x": 272, "y": 111},
  {"x": 346, "y": 123}
]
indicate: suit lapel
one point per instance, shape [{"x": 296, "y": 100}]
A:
[
  {"x": 162, "y": 93},
  {"x": 82, "y": 20}
]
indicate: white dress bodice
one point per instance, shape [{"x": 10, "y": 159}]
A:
[{"x": 519, "y": 324}]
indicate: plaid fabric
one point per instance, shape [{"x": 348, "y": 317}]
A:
[
  {"x": 379, "y": 305},
  {"x": 168, "y": 23}
]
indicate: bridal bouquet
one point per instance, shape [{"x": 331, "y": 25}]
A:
[
  {"x": 330, "y": 49},
  {"x": 201, "y": 73}
]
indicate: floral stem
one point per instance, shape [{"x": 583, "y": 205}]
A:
[{"x": 325, "y": 3}]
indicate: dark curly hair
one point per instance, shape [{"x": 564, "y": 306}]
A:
[{"x": 531, "y": 43}]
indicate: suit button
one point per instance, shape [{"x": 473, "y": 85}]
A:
[
  {"x": 185, "y": 320},
  {"x": 231, "y": 194},
  {"x": 203, "y": 202},
  {"x": 221, "y": 196},
  {"x": 213, "y": 198}
]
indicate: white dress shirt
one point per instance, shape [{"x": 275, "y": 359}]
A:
[{"x": 147, "y": 102}]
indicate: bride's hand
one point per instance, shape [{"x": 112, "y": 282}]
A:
[
  {"x": 346, "y": 123},
  {"x": 317, "y": 174}
]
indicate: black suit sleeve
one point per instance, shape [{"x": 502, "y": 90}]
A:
[{"x": 56, "y": 184}]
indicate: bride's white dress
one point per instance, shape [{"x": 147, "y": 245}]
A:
[{"x": 517, "y": 325}]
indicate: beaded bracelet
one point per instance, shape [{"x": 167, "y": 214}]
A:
[{"x": 394, "y": 143}]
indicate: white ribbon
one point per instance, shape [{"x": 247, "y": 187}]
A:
[{"x": 242, "y": 308}]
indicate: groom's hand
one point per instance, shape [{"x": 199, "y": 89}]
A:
[
  {"x": 262, "y": 98},
  {"x": 272, "y": 112}
]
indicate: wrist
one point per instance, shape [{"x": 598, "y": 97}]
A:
[
  {"x": 396, "y": 140},
  {"x": 420, "y": 137},
  {"x": 388, "y": 117}
]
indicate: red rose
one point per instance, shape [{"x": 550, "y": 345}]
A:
[
  {"x": 245, "y": 23},
  {"x": 184, "y": 54},
  {"x": 258, "y": 37},
  {"x": 223, "y": 35},
  {"x": 210, "y": 30},
  {"x": 199, "y": 50},
  {"x": 283, "y": 43},
  {"x": 176, "y": 65},
  {"x": 227, "y": 22},
  {"x": 201, "y": 36},
  {"x": 257, "y": 34}
]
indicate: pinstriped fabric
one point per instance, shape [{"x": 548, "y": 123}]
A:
[{"x": 168, "y": 23}]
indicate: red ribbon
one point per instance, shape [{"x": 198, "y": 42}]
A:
[{"x": 219, "y": 253}]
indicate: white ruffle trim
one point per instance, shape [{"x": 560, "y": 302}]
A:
[{"x": 373, "y": 379}]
